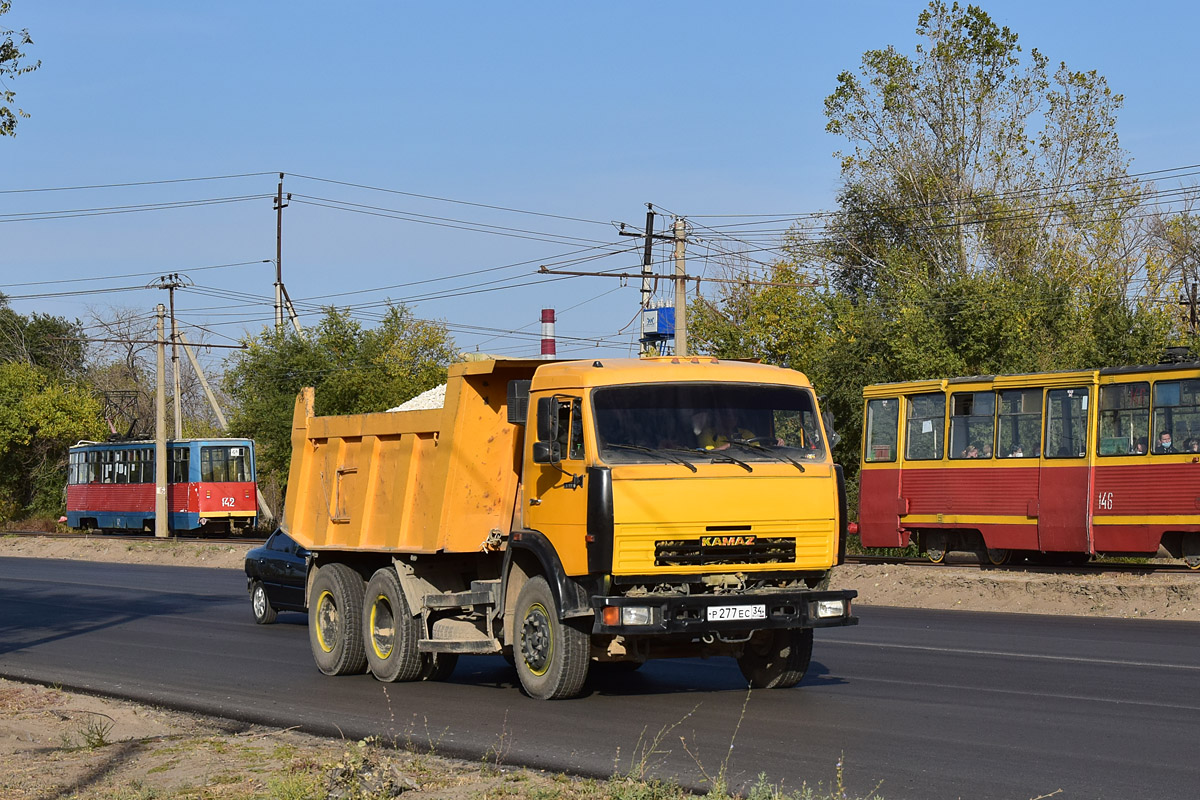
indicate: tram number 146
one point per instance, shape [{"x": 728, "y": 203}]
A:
[{"x": 1104, "y": 501}]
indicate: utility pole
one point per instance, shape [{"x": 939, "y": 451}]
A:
[
  {"x": 171, "y": 283},
  {"x": 681, "y": 344},
  {"x": 161, "y": 524},
  {"x": 280, "y": 205},
  {"x": 647, "y": 274},
  {"x": 1191, "y": 304}
]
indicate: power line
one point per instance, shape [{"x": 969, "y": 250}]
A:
[{"x": 134, "y": 183}]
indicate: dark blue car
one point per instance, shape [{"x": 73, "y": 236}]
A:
[{"x": 275, "y": 576}]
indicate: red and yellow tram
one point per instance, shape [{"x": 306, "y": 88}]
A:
[{"x": 1064, "y": 464}]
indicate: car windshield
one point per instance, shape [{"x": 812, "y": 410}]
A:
[{"x": 650, "y": 423}]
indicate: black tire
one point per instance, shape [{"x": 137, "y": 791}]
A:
[
  {"x": 552, "y": 657},
  {"x": 264, "y": 614},
  {"x": 777, "y": 659},
  {"x": 333, "y": 621},
  {"x": 389, "y": 630}
]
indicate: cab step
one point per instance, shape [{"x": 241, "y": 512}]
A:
[{"x": 458, "y": 636}]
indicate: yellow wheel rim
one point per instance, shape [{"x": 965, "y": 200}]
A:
[{"x": 326, "y": 621}]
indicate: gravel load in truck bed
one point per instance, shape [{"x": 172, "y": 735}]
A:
[{"x": 434, "y": 398}]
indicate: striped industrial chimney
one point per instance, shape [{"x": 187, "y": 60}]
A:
[{"x": 548, "y": 348}]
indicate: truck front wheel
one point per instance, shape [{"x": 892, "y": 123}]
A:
[
  {"x": 333, "y": 621},
  {"x": 552, "y": 657},
  {"x": 777, "y": 659},
  {"x": 390, "y": 631}
]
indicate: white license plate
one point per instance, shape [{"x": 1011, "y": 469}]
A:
[{"x": 726, "y": 613}]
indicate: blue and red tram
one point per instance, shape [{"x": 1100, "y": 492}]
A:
[
  {"x": 1064, "y": 464},
  {"x": 211, "y": 486}
]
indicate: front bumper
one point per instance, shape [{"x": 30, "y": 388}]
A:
[{"x": 689, "y": 614}]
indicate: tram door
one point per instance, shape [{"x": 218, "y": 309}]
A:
[{"x": 1064, "y": 481}]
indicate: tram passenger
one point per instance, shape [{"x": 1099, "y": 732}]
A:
[
  {"x": 1016, "y": 451},
  {"x": 1139, "y": 447},
  {"x": 1192, "y": 445},
  {"x": 1164, "y": 444}
]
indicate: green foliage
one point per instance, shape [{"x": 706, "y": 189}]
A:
[
  {"x": 986, "y": 225},
  {"x": 44, "y": 408},
  {"x": 353, "y": 369},
  {"x": 11, "y": 66}
]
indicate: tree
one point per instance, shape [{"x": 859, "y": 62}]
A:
[
  {"x": 45, "y": 406},
  {"x": 353, "y": 369},
  {"x": 986, "y": 224},
  {"x": 12, "y": 66}
]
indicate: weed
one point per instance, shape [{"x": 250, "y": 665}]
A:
[
  {"x": 493, "y": 757},
  {"x": 295, "y": 786},
  {"x": 91, "y": 734}
]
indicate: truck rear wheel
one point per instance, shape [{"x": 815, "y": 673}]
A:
[
  {"x": 777, "y": 659},
  {"x": 390, "y": 631},
  {"x": 552, "y": 657},
  {"x": 333, "y": 621}
]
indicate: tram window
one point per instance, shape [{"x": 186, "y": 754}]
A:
[
  {"x": 882, "y": 421},
  {"x": 1066, "y": 423},
  {"x": 1124, "y": 419},
  {"x": 177, "y": 465},
  {"x": 1177, "y": 415},
  {"x": 1019, "y": 425},
  {"x": 972, "y": 424},
  {"x": 222, "y": 464},
  {"x": 926, "y": 427}
]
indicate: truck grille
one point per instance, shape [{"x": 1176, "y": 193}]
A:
[{"x": 714, "y": 550}]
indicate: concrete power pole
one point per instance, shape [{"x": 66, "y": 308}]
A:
[
  {"x": 280, "y": 205},
  {"x": 161, "y": 523},
  {"x": 681, "y": 343}
]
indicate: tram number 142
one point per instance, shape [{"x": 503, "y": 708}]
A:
[{"x": 1104, "y": 501}]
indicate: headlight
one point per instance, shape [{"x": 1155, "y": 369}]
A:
[
  {"x": 636, "y": 615},
  {"x": 831, "y": 608}
]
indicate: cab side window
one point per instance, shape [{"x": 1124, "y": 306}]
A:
[
  {"x": 882, "y": 419},
  {"x": 926, "y": 427},
  {"x": 570, "y": 429},
  {"x": 1066, "y": 423}
]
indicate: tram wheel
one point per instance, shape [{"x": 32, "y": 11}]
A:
[
  {"x": 1191, "y": 550},
  {"x": 997, "y": 556}
]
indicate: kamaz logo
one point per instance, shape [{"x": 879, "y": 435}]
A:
[{"x": 726, "y": 541}]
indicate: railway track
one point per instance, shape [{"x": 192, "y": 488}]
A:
[
  {"x": 139, "y": 537},
  {"x": 967, "y": 560}
]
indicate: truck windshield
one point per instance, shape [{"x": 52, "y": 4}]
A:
[{"x": 750, "y": 422}]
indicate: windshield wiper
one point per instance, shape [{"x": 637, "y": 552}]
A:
[
  {"x": 638, "y": 448},
  {"x": 764, "y": 447},
  {"x": 723, "y": 456}
]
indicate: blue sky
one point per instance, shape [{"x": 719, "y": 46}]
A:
[{"x": 586, "y": 111}]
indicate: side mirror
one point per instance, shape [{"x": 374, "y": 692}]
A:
[
  {"x": 833, "y": 435},
  {"x": 547, "y": 452},
  {"x": 547, "y": 420}
]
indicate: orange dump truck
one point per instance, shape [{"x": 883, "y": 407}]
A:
[{"x": 567, "y": 513}]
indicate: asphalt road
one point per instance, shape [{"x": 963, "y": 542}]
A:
[{"x": 923, "y": 704}]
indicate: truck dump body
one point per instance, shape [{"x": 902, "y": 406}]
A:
[{"x": 396, "y": 481}]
